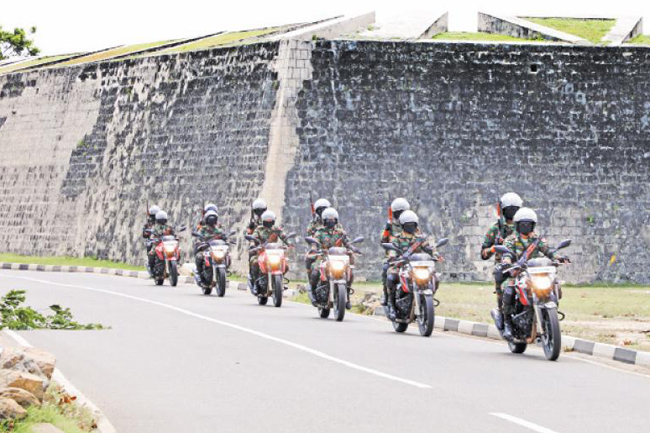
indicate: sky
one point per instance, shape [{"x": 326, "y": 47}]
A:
[{"x": 67, "y": 26}]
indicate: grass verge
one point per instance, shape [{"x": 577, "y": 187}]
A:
[
  {"x": 480, "y": 36},
  {"x": 591, "y": 30},
  {"x": 640, "y": 40},
  {"x": 58, "y": 409},
  {"x": 67, "y": 261}
]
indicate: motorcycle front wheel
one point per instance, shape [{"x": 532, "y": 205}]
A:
[
  {"x": 426, "y": 317},
  {"x": 173, "y": 273},
  {"x": 340, "y": 298},
  {"x": 221, "y": 282},
  {"x": 324, "y": 313},
  {"x": 277, "y": 290},
  {"x": 517, "y": 347},
  {"x": 262, "y": 300},
  {"x": 552, "y": 338}
]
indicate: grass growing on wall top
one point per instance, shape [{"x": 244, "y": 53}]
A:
[
  {"x": 67, "y": 261},
  {"x": 35, "y": 62},
  {"x": 480, "y": 36},
  {"x": 640, "y": 40},
  {"x": 108, "y": 54},
  {"x": 222, "y": 39},
  {"x": 591, "y": 30}
]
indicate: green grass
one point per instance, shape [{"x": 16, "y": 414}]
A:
[
  {"x": 115, "y": 52},
  {"x": 591, "y": 30},
  {"x": 479, "y": 36},
  {"x": 67, "y": 416},
  {"x": 222, "y": 39},
  {"x": 640, "y": 40},
  {"x": 35, "y": 62},
  {"x": 67, "y": 261}
]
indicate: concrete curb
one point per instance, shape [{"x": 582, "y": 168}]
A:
[{"x": 570, "y": 344}]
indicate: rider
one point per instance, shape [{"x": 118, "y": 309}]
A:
[
  {"x": 315, "y": 225},
  {"x": 331, "y": 234},
  {"x": 208, "y": 207},
  {"x": 509, "y": 204},
  {"x": 257, "y": 209},
  {"x": 267, "y": 232},
  {"x": 160, "y": 229},
  {"x": 409, "y": 241},
  {"x": 146, "y": 229},
  {"x": 392, "y": 229},
  {"x": 523, "y": 240},
  {"x": 209, "y": 231}
]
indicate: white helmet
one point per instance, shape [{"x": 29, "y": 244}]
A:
[
  {"x": 330, "y": 213},
  {"x": 153, "y": 210},
  {"x": 211, "y": 213},
  {"x": 209, "y": 207},
  {"x": 161, "y": 217},
  {"x": 268, "y": 216},
  {"x": 322, "y": 204},
  {"x": 400, "y": 204},
  {"x": 259, "y": 204},
  {"x": 408, "y": 216},
  {"x": 525, "y": 214},
  {"x": 511, "y": 199}
]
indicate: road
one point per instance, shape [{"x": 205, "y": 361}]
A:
[{"x": 177, "y": 361}]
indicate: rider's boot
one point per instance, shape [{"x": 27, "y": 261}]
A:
[
  {"x": 391, "y": 305},
  {"x": 310, "y": 289},
  {"x": 384, "y": 297},
  {"x": 507, "y": 328},
  {"x": 497, "y": 315}
]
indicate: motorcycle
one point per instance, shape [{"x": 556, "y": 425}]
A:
[
  {"x": 167, "y": 255},
  {"x": 216, "y": 256},
  {"x": 537, "y": 296},
  {"x": 418, "y": 283},
  {"x": 335, "y": 278},
  {"x": 272, "y": 262}
]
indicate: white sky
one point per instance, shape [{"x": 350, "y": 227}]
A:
[{"x": 66, "y": 26}]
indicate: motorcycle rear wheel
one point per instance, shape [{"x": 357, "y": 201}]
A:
[
  {"x": 427, "y": 316},
  {"x": 552, "y": 338},
  {"x": 400, "y": 327},
  {"x": 340, "y": 298},
  {"x": 277, "y": 290},
  {"x": 173, "y": 273},
  {"x": 221, "y": 282}
]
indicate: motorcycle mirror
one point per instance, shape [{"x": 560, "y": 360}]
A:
[
  {"x": 565, "y": 243},
  {"x": 232, "y": 233},
  {"x": 311, "y": 240},
  {"x": 501, "y": 249},
  {"x": 196, "y": 234},
  {"x": 182, "y": 229},
  {"x": 250, "y": 238},
  {"x": 390, "y": 247},
  {"x": 442, "y": 242},
  {"x": 291, "y": 235},
  {"x": 358, "y": 240}
]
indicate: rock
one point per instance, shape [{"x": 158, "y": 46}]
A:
[
  {"x": 9, "y": 409},
  {"x": 45, "y": 428},
  {"x": 301, "y": 288},
  {"x": 29, "y": 359},
  {"x": 20, "y": 396},
  {"x": 23, "y": 380}
]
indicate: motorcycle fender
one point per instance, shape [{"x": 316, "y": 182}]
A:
[
  {"x": 426, "y": 292},
  {"x": 538, "y": 320},
  {"x": 550, "y": 305},
  {"x": 221, "y": 265}
]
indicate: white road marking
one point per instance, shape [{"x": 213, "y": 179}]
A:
[
  {"x": 523, "y": 422},
  {"x": 297, "y": 346},
  {"x": 103, "y": 424}
]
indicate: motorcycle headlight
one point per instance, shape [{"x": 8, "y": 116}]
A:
[
  {"x": 169, "y": 247},
  {"x": 542, "y": 285},
  {"x": 337, "y": 265},
  {"x": 274, "y": 259},
  {"x": 421, "y": 274},
  {"x": 219, "y": 254}
]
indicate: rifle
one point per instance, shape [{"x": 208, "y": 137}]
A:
[
  {"x": 311, "y": 204},
  {"x": 147, "y": 210},
  {"x": 499, "y": 240},
  {"x": 387, "y": 230}
]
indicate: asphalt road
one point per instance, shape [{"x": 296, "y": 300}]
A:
[{"x": 177, "y": 361}]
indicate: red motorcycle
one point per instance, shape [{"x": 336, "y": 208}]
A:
[
  {"x": 273, "y": 265},
  {"x": 168, "y": 254}
]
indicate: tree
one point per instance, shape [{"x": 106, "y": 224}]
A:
[{"x": 17, "y": 43}]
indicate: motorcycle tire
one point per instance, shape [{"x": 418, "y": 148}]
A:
[
  {"x": 517, "y": 347},
  {"x": 552, "y": 338},
  {"x": 324, "y": 313},
  {"x": 340, "y": 298},
  {"x": 277, "y": 288},
  {"x": 400, "y": 327},
  {"x": 426, "y": 317},
  {"x": 221, "y": 282},
  {"x": 173, "y": 273},
  {"x": 160, "y": 281},
  {"x": 206, "y": 290},
  {"x": 262, "y": 300}
]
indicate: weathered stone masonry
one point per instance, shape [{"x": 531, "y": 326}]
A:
[{"x": 449, "y": 126}]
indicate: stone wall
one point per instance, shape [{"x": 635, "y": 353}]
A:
[
  {"x": 453, "y": 126},
  {"x": 448, "y": 126}
]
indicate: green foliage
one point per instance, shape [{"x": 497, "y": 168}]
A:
[
  {"x": 88, "y": 261},
  {"x": 17, "y": 43},
  {"x": 16, "y": 317},
  {"x": 480, "y": 36},
  {"x": 592, "y": 30},
  {"x": 640, "y": 40}
]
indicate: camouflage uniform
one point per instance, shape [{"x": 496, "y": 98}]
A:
[
  {"x": 256, "y": 221},
  {"x": 315, "y": 225},
  {"x": 496, "y": 235},
  {"x": 393, "y": 229},
  {"x": 208, "y": 232},
  {"x": 518, "y": 246},
  {"x": 312, "y": 229},
  {"x": 265, "y": 234}
]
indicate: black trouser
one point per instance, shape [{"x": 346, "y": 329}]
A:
[
  {"x": 499, "y": 278},
  {"x": 508, "y": 301}
]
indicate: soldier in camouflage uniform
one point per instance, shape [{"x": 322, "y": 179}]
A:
[
  {"x": 518, "y": 243},
  {"x": 146, "y": 230},
  {"x": 331, "y": 234},
  {"x": 509, "y": 204},
  {"x": 257, "y": 209},
  {"x": 409, "y": 241},
  {"x": 160, "y": 229},
  {"x": 208, "y": 207},
  {"x": 393, "y": 229},
  {"x": 315, "y": 225},
  {"x": 267, "y": 232},
  {"x": 209, "y": 231}
]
